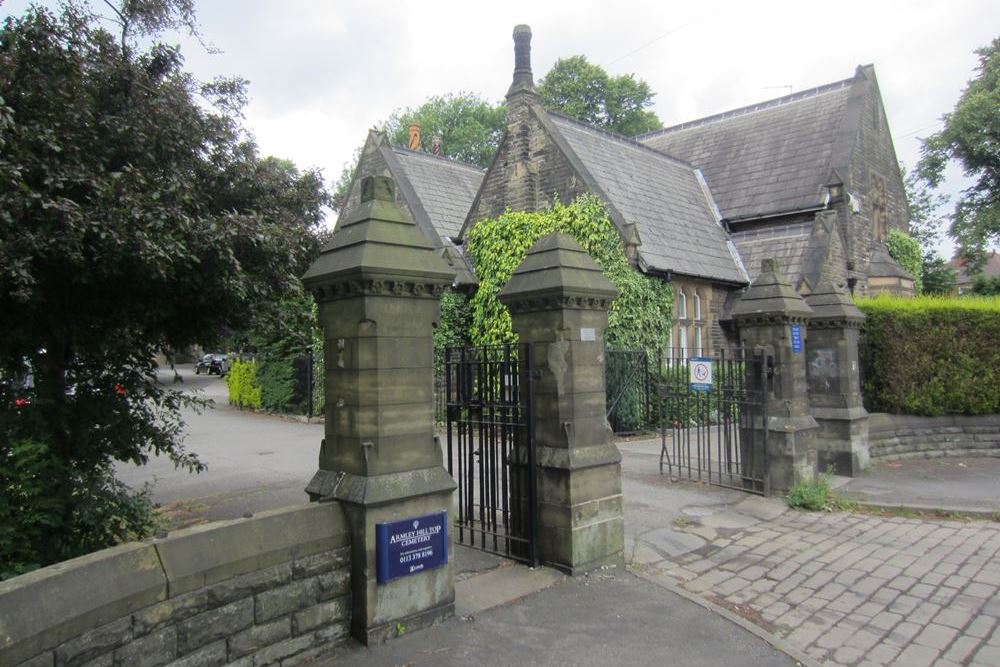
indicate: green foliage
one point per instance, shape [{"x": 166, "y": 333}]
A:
[
  {"x": 578, "y": 88},
  {"x": 986, "y": 285},
  {"x": 244, "y": 387},
  {"x": 970, "y": 136},
  {"x": 135, "y": 216},
  {"x": 812, "y": 494},
  {"x": 937, "y": 277},
  {"x": 455, "y": 321},
  {"x": 639, "y": 318},
  {"x": 276, "y": 377},
  {"x": 318, "y": 369},
  {"x": 469, "y": 126},
  {"x": 906, "y": 251},
  {"x": 931, "y": 355},
  {"x": 41, "y": 524},
  {"x": 924, "y": 205}
]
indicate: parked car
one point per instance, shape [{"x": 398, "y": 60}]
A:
[{"x": 213, "y": 364}]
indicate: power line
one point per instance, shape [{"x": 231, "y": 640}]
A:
[{"x": 671, "y": 31}]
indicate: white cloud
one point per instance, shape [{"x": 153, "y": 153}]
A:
[{"x": 322, "y": 73}]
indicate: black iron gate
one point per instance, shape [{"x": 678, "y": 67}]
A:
[
  {"x": 626, "y": 380},
  {"x": 715, "y": 432},
  {"x": 491, "y": 453}
]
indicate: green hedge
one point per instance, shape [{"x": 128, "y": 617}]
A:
[
  {"x": 931, "y": 355},
  {"x": 244, "y": 388}
]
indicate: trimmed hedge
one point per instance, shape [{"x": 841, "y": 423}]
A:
[
  {"x": 244, "y": 388},
  {"x": 931, "y": 355}
]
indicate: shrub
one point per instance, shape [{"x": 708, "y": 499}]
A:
[
  {"x": 276, "y": 377},
  {"x": 931, "y": 355},
  {"x": 244, "y": 389},
  {"x": 50, "y": 511},
  {"x": 812, "y": 494}
]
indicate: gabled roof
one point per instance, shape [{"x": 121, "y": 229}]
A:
[
  {"x": 665, "y": 198},
  {"x": 773, "y": 157},
  {"x": 445, "y": 187}
]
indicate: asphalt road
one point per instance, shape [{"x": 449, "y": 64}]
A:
[{"x": 255, "y": 462}]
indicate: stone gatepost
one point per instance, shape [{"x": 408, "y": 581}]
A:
[
  {"x": 558, "y": 300},
  {"x": 835, "y": 381},
  {"x": 378, "y": 285},
  {"x": 771, "y": 318}
]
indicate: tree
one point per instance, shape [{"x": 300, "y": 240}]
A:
[
  {"x": 470, "y": 127},
  {"x": 135, "y": 216},
  {"x": 970, "y": 136},
  {"x": 986, "y": 285},
  {"x": 926, "y": 227},
  {"x": 585, "y": 91},
  {"x": 937, "y": 277}
]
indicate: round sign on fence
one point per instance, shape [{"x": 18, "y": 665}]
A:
[{"x": 701, "y": 373}]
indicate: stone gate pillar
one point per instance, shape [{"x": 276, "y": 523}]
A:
[
  {"x": 835, "y": 382},
  {"x": 378, "y": 285},
  {"x": 771, "y": 318},
  {"x": 558, "y": 300}
]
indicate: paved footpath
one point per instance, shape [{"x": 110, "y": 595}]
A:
[{"x": 847, "y": 589}]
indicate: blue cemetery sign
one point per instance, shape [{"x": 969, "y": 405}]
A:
[
  {"x": 411, "y": 545},
  {"x": 701, "y": 373},
  {"x": 796, "y": 338}
]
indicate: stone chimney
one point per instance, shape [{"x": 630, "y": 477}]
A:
[
  {"x": 436, "y": 144},
  {"x": 414, "y": 136},
  {"x": 523, "y": 80}
]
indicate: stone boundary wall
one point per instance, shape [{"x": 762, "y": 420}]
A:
[
  {"x": 906, "y": 436},
  {"x": 273, "y": 589}
]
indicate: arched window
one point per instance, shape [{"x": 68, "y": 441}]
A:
[
  {"x": 697, "y": 306},
  {"x": 697, "y": 342},
  {"x": 684, "y": 342},
  {"x": 682, "y": 305}
]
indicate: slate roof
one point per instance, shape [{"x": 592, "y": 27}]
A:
[
  {"x": 787, "y": 243},
  {"x": 664, "y": 197},
  {"x": 446, "y": 187},
  {"x": 769, "y": 158}
]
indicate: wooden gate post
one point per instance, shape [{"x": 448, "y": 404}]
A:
[
  {"x": 378, "y": 285},
  {"x": 558, "y": 299},
  {"x": 772, "y": 318}
]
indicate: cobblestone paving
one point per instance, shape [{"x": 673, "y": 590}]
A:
[{"x": 850, "y": 589}]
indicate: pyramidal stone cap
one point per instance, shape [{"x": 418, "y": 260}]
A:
[
  {"x": 557, "y": 266},
  {"x": 378, "y": 245},
  {"x": 772, "y": 297},
  {"x": 832, "y": 303}
]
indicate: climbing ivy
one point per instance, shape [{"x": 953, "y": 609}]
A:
[
  {"x": 639, "y": 318},
  {"x": 906, "y": 251}
]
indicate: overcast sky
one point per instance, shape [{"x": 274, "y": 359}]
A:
[{"x": 322, "y": 72}]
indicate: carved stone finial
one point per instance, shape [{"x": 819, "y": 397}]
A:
[{"x": 414, "y": 136}]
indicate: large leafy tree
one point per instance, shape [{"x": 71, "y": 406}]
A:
[
  {"x": 971, "y": 136},
  {"x": 470, "y": 127},
  {"x": 927, "y": 226},
  {"x": 135, "y": 216},
  {"x": 578, "y": 88}
]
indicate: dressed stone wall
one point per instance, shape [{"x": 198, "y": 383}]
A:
[
  {"x": 273, "y": 589},
  {"x": 908, "y": 436}
]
